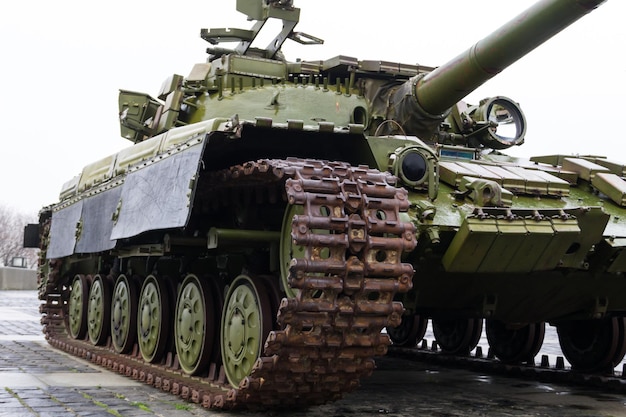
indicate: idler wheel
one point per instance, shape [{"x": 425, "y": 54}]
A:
[
  {"x": 77, "y": 307},
  {"x": 288, "y": 249},
  {"x": 153, "y": 319},
  {"x": 194, "y": 329},
  {"x": 99, "y": 310},
  {"x": 410, "y": 331},
  {"x": 593, "y": 345},
  {"x": 457, "y": 336},
  {"x": 246, "y": 322},
  {"x": 124, "y": 314},
  {"x": 515, "y": 344}
]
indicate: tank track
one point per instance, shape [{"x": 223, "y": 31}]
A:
[{"x": 345, "y": 284}]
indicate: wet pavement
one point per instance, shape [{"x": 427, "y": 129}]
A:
[{"x": 37, "y": 380}]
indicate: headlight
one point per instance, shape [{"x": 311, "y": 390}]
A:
[
  {"x": 413, "y": 167},
  {"x": 507, "y": 124},
  {"x": 416, "y": 166}
]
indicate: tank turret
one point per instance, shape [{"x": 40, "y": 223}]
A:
[{"x": 398, "y": 98}]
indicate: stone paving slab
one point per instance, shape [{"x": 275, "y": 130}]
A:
[
  {"x": 93, "y": 401},
  {"x": 35, "y": 358}
]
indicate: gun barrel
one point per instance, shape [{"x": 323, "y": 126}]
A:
[{"x": 451, "y": 82}]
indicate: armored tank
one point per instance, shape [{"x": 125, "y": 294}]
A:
[{"x": 275, "y": 225}]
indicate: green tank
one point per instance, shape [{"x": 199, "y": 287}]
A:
[{"x": 272, "y": 218}]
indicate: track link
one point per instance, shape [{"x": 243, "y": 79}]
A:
[{"x": 330, "y": 332}]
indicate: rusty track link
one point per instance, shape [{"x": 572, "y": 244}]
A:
[{"x": 345, "y": 284}]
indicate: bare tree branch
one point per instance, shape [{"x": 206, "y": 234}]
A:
[{"x": 12, "y": 236}]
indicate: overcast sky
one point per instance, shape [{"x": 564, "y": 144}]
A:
[{"x": 64, "y": 61}]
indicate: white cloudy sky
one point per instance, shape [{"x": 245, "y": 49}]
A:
[{"x": 64, "y": 61}]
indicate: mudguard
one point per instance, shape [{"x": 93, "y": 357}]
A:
[
  {"x": 156, "y": 194},
  {"x": 97, "y": 222},
  {"x": 63, "y": 231}
]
